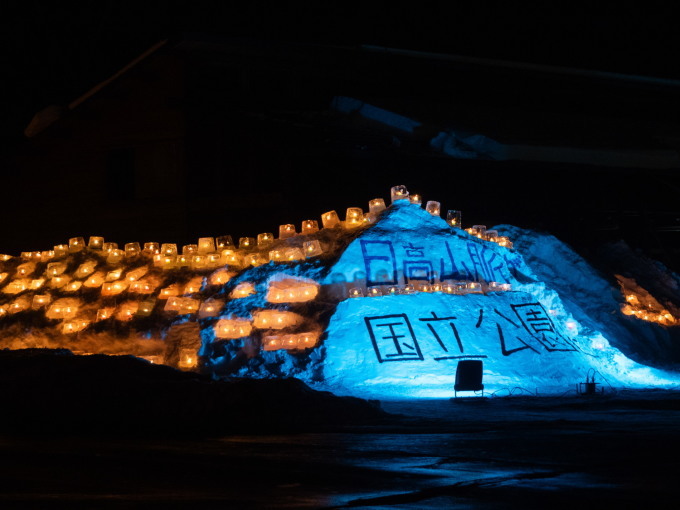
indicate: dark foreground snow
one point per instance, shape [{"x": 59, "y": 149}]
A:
[
  {"x": 613, "y": 450},
  {"x": 54, "y": 392}
]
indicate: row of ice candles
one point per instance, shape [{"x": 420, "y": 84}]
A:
[
  {"x": 354, "y": 217},
  {"x": 446, "y": 288}
]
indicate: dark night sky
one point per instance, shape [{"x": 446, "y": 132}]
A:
[{"x": 54, "y": 51}]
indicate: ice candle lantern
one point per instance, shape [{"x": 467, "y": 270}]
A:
[
  {"x": 76, "y": 244},
  {"x": 286, "y": 231},
  {"x": 169, "y": 249},
  {"x": 416, "y": 199},
  {"x": 246, "y": 243},
  {"x": 330, "y": 219},
  {"x": 453, "y": 218},
  {"x": 354, "y": 217},
  {"x": 225, "y": 243},
  {"x": 309, "y": 227},
  {"x": 265, "y": 239},
  {"x": 95, "y": 243},
  {"x": 433, "y": 207},
  {"x": 206, "y": 245},
  {"x": 398, "y": 193},
  {"x": 376, "y": 205}
]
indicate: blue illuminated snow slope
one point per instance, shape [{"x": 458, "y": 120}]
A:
[{"x": 409, "y": 345}]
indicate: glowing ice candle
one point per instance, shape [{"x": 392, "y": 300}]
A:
[
  {"x": 474, "y": 287},
  {"x": 312, "y": 248},
  {"x": 189, "y": 249},
  {"x": 292, "y": 290},
  {"x": 231, "y": 258},
  {"x": 293, "y": 254},
  {"x": 356, "y": 292},
  {"x": 107, "y": 247},
  {"x": 275, "y": 319},
  {"x": 76, "y": 244},
  {"x": 398, "y": 193},
  {"x": 73, "y": 286},
  {"x": 354, "y": 217},
  {"x": 308, "y": 339},
  {"x": 198, "y": 262},
  {"x": 188, "y": 358},
  {"x": 376, "y": 205},
  {"x": 105, "y": 313},
  {"x": 40, "y": 300},
  {"x": 132, "y": 250},
  {"x": 214, "y": 260},
  {"x": 374, "y": 292},
  {"x": 220, "y": 277},
  {"x": 151, "y": 248},
  {"x": 113, "y": 288},
  {"x": 255, "y": 260},
  {"x": 265, "y": 239},
  {"x": 26, "y": 269},
  {"x": 409, "y": 289},
  {"x": 16, "y": 286},
  {"x": 330, "y": 219},
  {"x": 206, "y": 245},
  {"x": 272, "y": 342},
  {"x": 36, "y": 283},
  {"x": 143, "y": 286},
  {"x": 393, "y": 290},
  {"x": 415, "y": 199},
  {"x": 168, "y": 262},
  {"x": 145, "y": 308},
  {"x": 95, "y": 280},
  {"x": 276, "y": 256},
  {"x": 126, "y": 311},
  {"x": 60, "y": 250},
  {"x": 85, "y": 269},
  {"x": 286, "y": 231},
  {"x": 189, "y": 305},
  {"x": 290, "y": 342},
  {"x": 136, "y": 274},
  {"x": 59, "y": 281},
  {"x": 309, "y": 227},
  {"x": 169, "y": 249},
  {"x": 64, "y": 308},
  {"x": 230, "y": 329},
  {"x": 19, "y": 305},
  {"x": 479, "y": 231},
  {"x": 114, "y": 275},
  {"x": 3, "y": 277},
  {"x": 5, "y": 258},
  {"x": 115, "y": 256},
  {"x": 246, "y": 243},
  {"x": 225, "y": 243},
  {"x": 95, "y": 243},
  {"x": 243, "y": 289},
  {"x": 170, "y": 291},
  {"x": 492, "y": 235},
  {"x": 74, "y": 326},
  {"x": 433, "y": 207},
  {"x": 194, "y": 285},
  {"x": 173, "y": 304},
  {"x": 210, "y": 308},
  {"x": 504, "y": 241}
]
